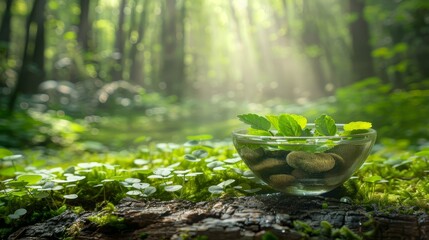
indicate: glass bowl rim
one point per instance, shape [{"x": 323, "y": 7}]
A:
[{"x": 237, "y": 133}]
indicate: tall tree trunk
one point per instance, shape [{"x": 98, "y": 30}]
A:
[
  {"x": 247, "y": 72},
  {"x": 39, "y": 46},
  {"x": 118, "y": 55},
  {"x": 260, "y": 47},
  {"x": 169, "y": 66},
  {"x": 362, "y": 62},
  {"x": 311, "y": 38},
  {"x": 5, "y": 30},
  {"x": 421, "y": 48},
  {"x": 32, "y": 71},
  {"x": 279, "y": 65},
  {"x": 181, "y": 51},
  {"x": 84, "y": 25},
  {"x": 136, "y": 70},
  {"x": 236, "y": 21}
]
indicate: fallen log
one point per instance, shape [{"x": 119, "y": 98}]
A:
[{"x": 282, "y": 216}]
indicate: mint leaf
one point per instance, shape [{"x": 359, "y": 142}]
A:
[
  {"x": 255, "y": 121},
  {"x": 274, "y": 120},
  {"x": 301, "y": 120},
  {"x": 257, "y": 132},
  {"x": 352, "y": 126},
  {"x": 325, "y": 125},
  {"x": 306, "y": 132},
  {"x": 288, "y": 126}
]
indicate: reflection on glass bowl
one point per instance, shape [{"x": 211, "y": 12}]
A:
[{"x": 304, "y": 165}]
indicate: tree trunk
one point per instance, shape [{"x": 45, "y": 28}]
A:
[
  {"x": 32, "y": 71},
  {"x": 39, "y": 46},
  {"x": 243, "y": 66},
  {"x": 169, "y": 47},
  {"x": 5, "y": 30},
  {"x": 236, "y": 22},
  {"x": 136, "y": 70},
  {"x": 362, "y": 62},
  {"x": 118, "y": 54},
  {"x": 84, "y": 25},
  {"x": 285, "y": 217},
  {"x": 172, "y": 38},
  {"x": 181, "y": 52},
  {"x": 311, "y": 38},
  {"x": 421, "y": 48}
]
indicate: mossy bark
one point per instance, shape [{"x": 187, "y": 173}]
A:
[{"x": 233, "y": 218}]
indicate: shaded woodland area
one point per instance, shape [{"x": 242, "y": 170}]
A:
[
  {"x": 116, "y": 116},
  {"x": 238, "y": 50}
]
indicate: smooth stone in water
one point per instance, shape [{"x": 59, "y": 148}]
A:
[
  {"x": 251, "y": 155},
  {"x": 298, "y": 173},
  {"x": 271, "y": 166},
  {"x": 276, "y": 154},
  {"x": 336, "y": 173},
  {"x": 311, "y": 162},
  {"x": 339, "y": 161},
  {"x": 280, "y": 181},
  {"x": 333, "y": 177},
  {"x": 269, "y": 163},
  {"x": 348, "y": 152}
]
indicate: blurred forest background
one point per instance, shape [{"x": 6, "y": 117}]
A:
[{"x": 123, "y": 72}]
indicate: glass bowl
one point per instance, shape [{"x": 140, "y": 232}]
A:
[{"x": 304, "y": 165}]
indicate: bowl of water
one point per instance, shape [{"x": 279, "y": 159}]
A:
[{"x": 305, "y": 165}]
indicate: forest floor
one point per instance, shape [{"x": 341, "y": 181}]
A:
[
  {"x": 389, "y": 201},
  {"x": 272, "y": 216}
]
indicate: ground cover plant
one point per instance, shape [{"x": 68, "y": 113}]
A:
[
  {"x": 56, "y": 164},
  {"x": 35, "y": 185},
  {"x": 35, "y": 128},
  {"x": 81, "y": 172}
]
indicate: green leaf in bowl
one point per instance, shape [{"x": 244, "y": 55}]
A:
[
  {"x": 353, "y": 126},
  {"x": 288, "y": 126},
  {"x": 325, "y": 125},
  {"x": 255, "y": 121}
]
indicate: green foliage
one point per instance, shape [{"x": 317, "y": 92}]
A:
[
  {"x": 269, "y": 236},
  {"x": 393, "y": 177},
  {"x": 30, "y": 178},
  {"x": 325, "y": 126},
  {"x": 395, "y": 114},
  {"x": 160, "y": 171},
  {"x": 397, "y": 34},
  {"x": 18, "y": 213},
  {"x": 296, "y": 125},
  {"x": 355, "y": 126},
  {"x": 32, "y": 128},
  {"x": 288, "y": 126},
  {"x": 255, "y": 121},
  {"x": 5, "y": 152},
  {"x": 107, "y": 218},
  {"x": 85, "y": 98},
  {"x": 324, "y": 231}
]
